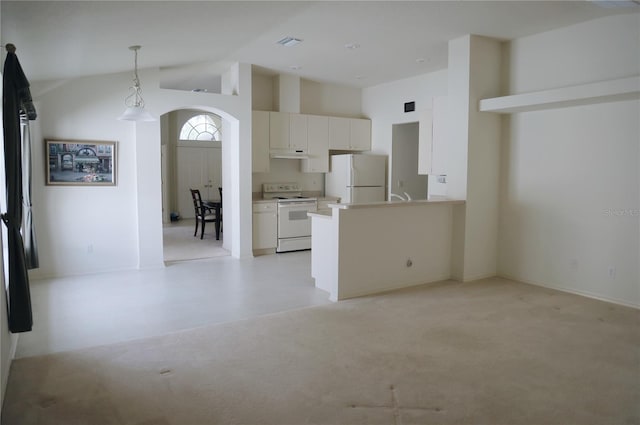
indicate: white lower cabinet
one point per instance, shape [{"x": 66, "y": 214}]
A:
[{"x": 265, "y": 225}]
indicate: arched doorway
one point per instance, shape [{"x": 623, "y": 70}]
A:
[
  {"x": 191, "y": 159},
  {"x": 236, "y": 176}
]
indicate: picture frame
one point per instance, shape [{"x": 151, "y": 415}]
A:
[{"x": 81, "y": 162}]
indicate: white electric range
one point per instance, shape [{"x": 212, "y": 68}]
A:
[{"x": 294, "y": 225}]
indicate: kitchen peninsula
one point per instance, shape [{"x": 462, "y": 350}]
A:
[{"x": 362, "y": 249}]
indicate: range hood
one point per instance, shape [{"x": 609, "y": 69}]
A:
[{"x": 289, "y": 155}]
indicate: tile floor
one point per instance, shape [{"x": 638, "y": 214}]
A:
[
  {"x": 180, "y": 244},
  {"x": 83, "y": 311}
]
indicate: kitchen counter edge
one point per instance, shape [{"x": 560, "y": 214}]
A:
[{"x": 417, "y": 202}]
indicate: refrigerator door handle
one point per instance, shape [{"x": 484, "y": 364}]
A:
[{"x": 352, "y": 172}]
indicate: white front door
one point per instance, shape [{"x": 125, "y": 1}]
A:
[{"x": 197, "y": 167}]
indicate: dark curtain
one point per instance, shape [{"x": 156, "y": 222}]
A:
[
  {"x": 16, "y": 97},
  {"x": 28, "y": 230}
]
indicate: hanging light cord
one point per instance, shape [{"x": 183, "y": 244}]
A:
[{"x": 134, "y": 100}]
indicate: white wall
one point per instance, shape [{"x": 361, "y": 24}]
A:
[
  {"x": 483, "y": 162},
  {"x": 315, "y": 97},
  {"x": 353, "y": 255},
  {"x": 85, "y": 229},
  {"x": 92, "y": 229},
  {"x": 570, "y": 183},
  {"x": 288, "y": 170},
  {"x": 420, "y": 234},
  {"x": 330, "y": 99},
  {"x": 262, "y": 92},
  {"x": 597, "y": 50},
  {"x": 384, "y": 105}
]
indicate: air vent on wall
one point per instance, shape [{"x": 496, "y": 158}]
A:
[{"x": 410, "y": 106}]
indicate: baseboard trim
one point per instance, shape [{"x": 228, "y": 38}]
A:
[
  {"x": 14, "y": 346},
  {"x": 7, "y": 369},
  {"x": 572, "y": 291},
  {"x": 389, "y": 288},
  {"x": 479, "y": 277}
]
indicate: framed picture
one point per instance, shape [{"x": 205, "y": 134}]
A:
[{"x": 81, "y": 163}]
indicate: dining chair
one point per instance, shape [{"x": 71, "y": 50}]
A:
[
  {"x": 203, "y": 213},
  {"x": 220, "y": 191}
]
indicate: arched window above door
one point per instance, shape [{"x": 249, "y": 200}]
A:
[{"x": 201, "y": 127}]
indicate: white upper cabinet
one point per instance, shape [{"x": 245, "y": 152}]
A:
[
  {"x": 260, "y": 142},
  {"x": 311, "y": 137},
  {"x": 439, "y": 162},
  {"x": 318, "y": 145},
  {"x": 288, "y": 132},
  {"x": 360, "y": 132},
  {"x": 298, "y": 132},
  {"x": 279, "y": 130},
  {"x": 432, "y": 140},
  {"x": 349, "y": 134},
  {"x": 339, "y": 133},
  {"x": 425, "y": 142}
]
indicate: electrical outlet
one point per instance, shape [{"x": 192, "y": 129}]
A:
[
  {"x": 442, "y": 178},
  {"x": 90, "y": 249},
  {"x": 400, "y": 183},
  {"x": 612, "y": 272}
]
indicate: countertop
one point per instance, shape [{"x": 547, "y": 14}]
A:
[
  {"x": 257, "y": 197},
  {"x": 321, "y": 213},
  {"x": 418, "y": 202}
]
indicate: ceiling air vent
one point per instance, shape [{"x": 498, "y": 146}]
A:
[{"x": 289, "y": 41}]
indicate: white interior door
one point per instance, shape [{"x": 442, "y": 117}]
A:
[{"x": 200, "y": 168}]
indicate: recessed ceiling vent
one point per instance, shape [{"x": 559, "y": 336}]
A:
[{"x": 289, "y": 41}]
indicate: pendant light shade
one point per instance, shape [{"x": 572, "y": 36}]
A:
[
  {"x": 135, "y": 104},
  {"x": 136, "y": 113}
]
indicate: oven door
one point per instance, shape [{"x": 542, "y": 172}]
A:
[{"x": 293, "y": 221}]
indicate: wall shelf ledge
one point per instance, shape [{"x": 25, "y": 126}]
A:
[{"x": 583, "y": 94}]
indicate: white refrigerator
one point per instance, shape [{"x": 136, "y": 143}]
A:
[{"x": 357, "y": 178}]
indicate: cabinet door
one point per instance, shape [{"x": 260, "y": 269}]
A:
[
  {"x": 339, "y": 133},
  {"x": 265, "y": 226},
  {"x": 279, "y": 130},
  {"x": 260, "y": 142},
  {"x": 360, "y": 135},
  {"x": 439, "y": 162},
  {"x": 425, "y": 143},
  {"x": 298, "y": 132},
  {"x": 318, "y": 145}
]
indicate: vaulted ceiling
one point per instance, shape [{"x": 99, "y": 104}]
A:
[{"x": 358, "y": 43}]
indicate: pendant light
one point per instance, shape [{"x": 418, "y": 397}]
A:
[{"x": 134, "y": 102}]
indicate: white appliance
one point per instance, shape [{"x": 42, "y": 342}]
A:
[
  {"x": 357, "y": 178},
  {"x": 294, "y": 226}
]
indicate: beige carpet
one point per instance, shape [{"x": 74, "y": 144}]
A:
[
  {"x": 180, "y": 245},
  {"x": 488, "y": 352}
]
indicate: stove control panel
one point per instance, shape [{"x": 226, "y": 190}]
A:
[{"x": 280, "y": 187}]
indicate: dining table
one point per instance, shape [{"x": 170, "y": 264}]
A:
[{"x": 215, "y": 205}]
